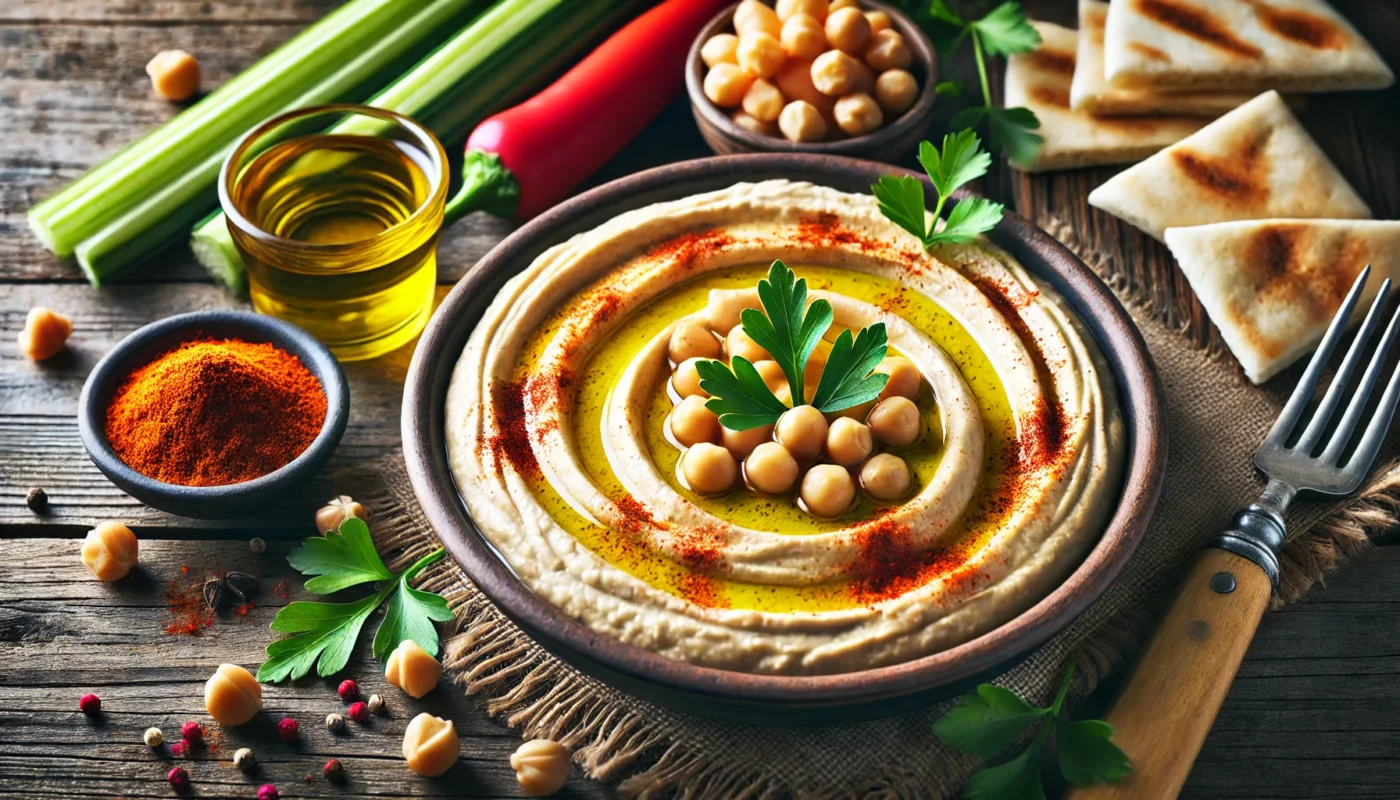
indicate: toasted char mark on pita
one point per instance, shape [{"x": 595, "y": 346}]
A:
[
  {"x": 1050, "y": 96},
  {"x": 1199, "y": 24},
  {"x": 1241, "y": 177},
  {"x": 1149, "y": 51},
  {"x": 1309, "y": 30},
  {"x": 1047, "y": 60}
]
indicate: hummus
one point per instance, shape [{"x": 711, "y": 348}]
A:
[{"x": 558, "y": 437}]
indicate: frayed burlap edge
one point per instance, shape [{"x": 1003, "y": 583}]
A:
[{"x": 525, "y": 688}]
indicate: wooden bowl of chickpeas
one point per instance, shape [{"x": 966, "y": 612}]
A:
[{"x": 837, "y": 77}]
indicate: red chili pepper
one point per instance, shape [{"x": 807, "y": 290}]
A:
[{"x": 527, "y": 158}]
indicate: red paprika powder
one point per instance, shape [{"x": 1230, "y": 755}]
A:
[{"x": 215, "y": 412}]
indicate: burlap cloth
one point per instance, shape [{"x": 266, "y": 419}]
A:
[{"x": 1215, "y": 419}]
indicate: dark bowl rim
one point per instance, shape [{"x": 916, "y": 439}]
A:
[
  {"x": 118, "y": 362},
  {"x": 916, "y": 115},
  {"x": 1113, "y": 329}
]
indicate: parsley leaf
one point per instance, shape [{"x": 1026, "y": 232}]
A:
[
  {"x": 1006, "y": 31},
  {"x": 1017, "y": 779},
  {"x": 326, "y": 632},
  {"x": 960, "y": 160},
  {"x": 969, "y": 219},
  {"x": 947, "y": 89},
  {"x": 901, "y": 200},
  {"x": 787, "y": 328},
  {"x": 740, "y": 397},
  {"x": 987, "y": 722},
  {"x": 1011, "y": 131},
  {"x": 847, "y": 379},
  {"x": 1086, "y": 753}
]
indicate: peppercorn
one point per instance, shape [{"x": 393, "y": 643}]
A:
[
  {"x": 376, "y": 704},
  {"x": 178, "y": 748},
  {"x": 287, "y": 728},
  {"x": 192, "y": 733},
  {"x": 257, "y": 545},
  {"x": 90, "y": 704},
  {"x": 349, "y": 690},
  {"x": 335, "y": 723},
  {"x": 153, "y": 737},
  {"x": 359, "y": 712},
  {"x": 334, "y": 771},
  {"x": 244, "y": 759},
  {"x": 179, "y": 778},
  {"x": 38, "y": 500},
  {"x": 268, "y": 792}
]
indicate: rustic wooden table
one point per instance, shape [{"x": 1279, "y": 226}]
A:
[{"x": 1312, "y": 713}]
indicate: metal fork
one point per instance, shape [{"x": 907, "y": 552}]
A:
[{"x": 1170, "y": 701}]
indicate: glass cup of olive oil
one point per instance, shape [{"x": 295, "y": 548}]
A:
[{"x": 336, "y": 211}]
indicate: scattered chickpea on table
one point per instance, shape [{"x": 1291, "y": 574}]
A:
[
  {"x": 809, "y": 70},
  {"x": 174, "y": 74}
]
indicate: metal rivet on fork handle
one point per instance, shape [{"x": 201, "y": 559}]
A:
[{"x": 1222, "y": 583}]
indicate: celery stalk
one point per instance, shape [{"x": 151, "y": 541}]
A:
[{"x": 501, "y": 56}]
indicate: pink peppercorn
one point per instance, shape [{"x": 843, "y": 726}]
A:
[
  {"x": 335, "y": 773},
  {"x": 268, "y": 792},
  {"x": 179, "y": 778},
  {"x": 90, "y": 704},
  {"x": 287, "y": 729},
  {"x": 349, "y": 690},
  {"x": 178, "y": 748},
  {"x": 192, "y": 733},
  {"x": 359, "y": 712}
]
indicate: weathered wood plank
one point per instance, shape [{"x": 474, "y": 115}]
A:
[
  {"x": 154, "y": 13},
  {"x": 63, "y": 634}
]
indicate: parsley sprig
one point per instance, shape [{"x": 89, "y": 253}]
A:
[
  {"x": 789, "y": 328},
  {"x": 1003, "y": 32},
  {"x": 326, "y": 632},
  {"x": 901, "y": 199},
  {"x": 992, "y": 719}
]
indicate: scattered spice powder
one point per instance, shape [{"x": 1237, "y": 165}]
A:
[
  {"x": 215, "y": 412},
  {"x": 189, "y": 615}
]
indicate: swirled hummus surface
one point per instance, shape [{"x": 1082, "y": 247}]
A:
[{"x": 562, "y": 418}]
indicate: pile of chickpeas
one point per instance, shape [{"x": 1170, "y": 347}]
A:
[
  {"x": 825, "y": 458},
  {"x": 810, "y": 70}
]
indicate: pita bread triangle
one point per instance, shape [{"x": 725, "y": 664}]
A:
[
  {"x": 1090, "y": 92},
  {"x": 1272, "y": 285},
  {"x": 1040, "y": 81},
  {"x": 1238, "y": 45},
  {"x": 1256, "y": 162}
]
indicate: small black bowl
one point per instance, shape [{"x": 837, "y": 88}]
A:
[{"x": 149, "y": 343}]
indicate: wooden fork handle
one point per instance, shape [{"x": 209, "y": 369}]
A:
[{"x": 1170, "y": 700}]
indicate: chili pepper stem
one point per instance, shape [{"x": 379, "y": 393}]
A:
[{"x": 487, "y": 185}]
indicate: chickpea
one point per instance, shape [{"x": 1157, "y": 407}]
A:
[
  {"x": 772, "y": 374},
  {"x": 412, "y": 669},
  {"x": 803, "y": 37},
  {"x": 905, "y": 380},
  {"x": 691, "y": 423},
  {"x": 771, "y": 469},
  {"x": 430, "y": 745},
  {"x": 763, "y": 101},
  {"x": 686, "y": 379},
  {"x": 848, "y": 442},
  {"x": 232, "y": 696},
  {"x": 752, "y": 15},
  {"x": 110, "y": 551},
  {"x": 760, "y": 55},
  {"x": 337, "y": 510},
  {"x": 840, "y": 4},
  {"x": 541, "y": 767},
  {"x": 834, "y": 73},
  {"x": 847, "y": 30},
  {"x": 795, "y": 82},
  {"x": 885, "y": 477},
  {"x": 888, "y": 50},
  {"x": 44, "y": 333},
  {"x": 174, "y": 74},
  {"x": 827, "y": 490},
  {"x": 725, "y": 85},
  {"x": 879, "y": 21},
  {"x": 739, "y": 343},
  {"x": 741, "y": 443},
  {"x": 802, "y": 122},
  {"x": 896, "y": 90},
  {"x": 720, "y": 49},
  {"x": 858, "y": 114},
  {"x": 726, "y": 305},
  {"x": 744, "y": 120},
  {"x": 709, "y": 469},
  {"x": 802, "y": 431},
  {"x": 895, "y": 421},
  {"x": 787, "y": 9},
  {"x": 692, "y": 339}
]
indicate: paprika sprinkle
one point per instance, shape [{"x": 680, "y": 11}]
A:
[{"x": 215, "y": 412}]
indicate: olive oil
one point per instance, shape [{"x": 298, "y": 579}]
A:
[{"x": 344, "y": 237}]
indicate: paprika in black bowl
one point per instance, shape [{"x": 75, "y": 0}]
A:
[{"x": 214, "y": 413}]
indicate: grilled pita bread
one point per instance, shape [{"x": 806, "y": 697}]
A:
[
  {"x": 1091, "y": 93},
  {"x": 1041, "y": 80},
  {"x": 1238, "y": 45},
  {"x": 1256, "y": 162},
  {"x": 1272, "y": 285}
]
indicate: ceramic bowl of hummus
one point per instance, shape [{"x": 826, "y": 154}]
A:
[{"x": 843, "y": 552}]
